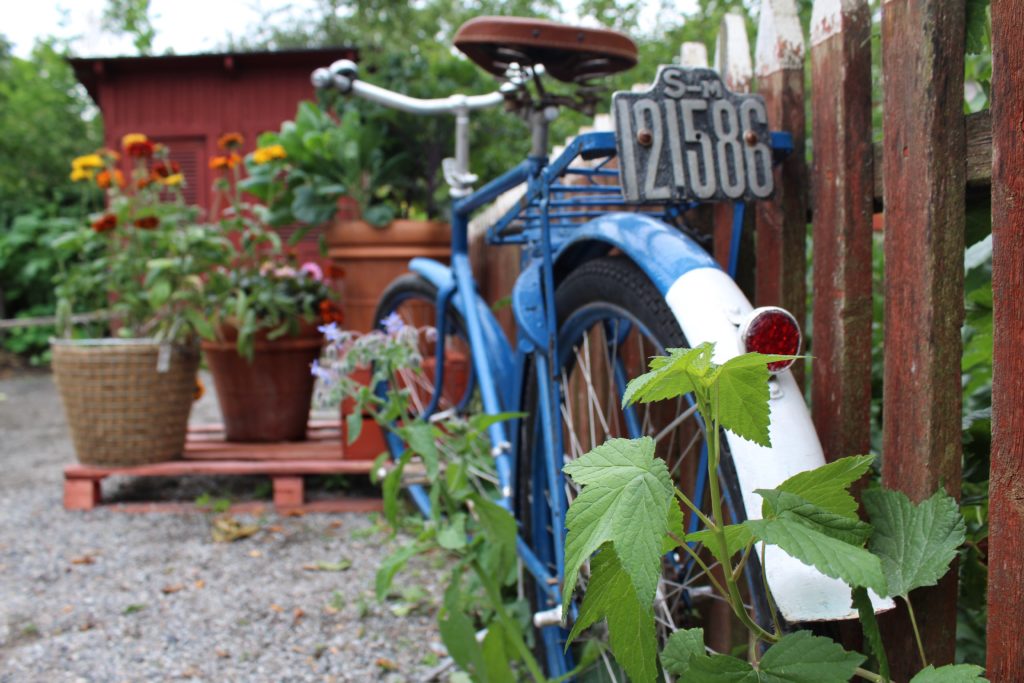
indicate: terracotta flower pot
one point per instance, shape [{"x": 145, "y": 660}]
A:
[
  {"x": 372, "y": 257},
  {"x": 269, "y": 398}
]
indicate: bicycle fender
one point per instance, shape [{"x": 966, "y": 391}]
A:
[
  {"x": 709, "y": 306},
  {"x": 441, "y": 277}
]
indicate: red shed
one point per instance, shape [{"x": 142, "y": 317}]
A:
[{"x": 188, "y": 101}]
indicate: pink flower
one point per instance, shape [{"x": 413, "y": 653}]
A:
[{"x": 313, "y": 270}]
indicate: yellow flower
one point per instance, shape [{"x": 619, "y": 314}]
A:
[
  {"x": 132, "y": 139},
  {"x": 87, "y": 161},
  {"x": 79, "y": 173},
  {"x": 173, "y": 179},
  {"x": 264, "y": 155}
]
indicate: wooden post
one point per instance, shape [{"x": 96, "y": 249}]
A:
[
  {"x": 924, "y": 152},
  {"x": 733, "y": 64},
  {"x": 1006, "y": 483},
  {"x": 842, "y": 184},
  {"x": 782, "y": 222},
  {"x": 693, "y": 54}
]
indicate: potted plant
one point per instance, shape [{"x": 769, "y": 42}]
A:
[
  {"x": 263, "y": 312},
  {"x": 346, "y": 172},
  {"x": 127, "y": 391}
]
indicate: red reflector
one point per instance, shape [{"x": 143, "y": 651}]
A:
[{"x": 771, "y": 330}]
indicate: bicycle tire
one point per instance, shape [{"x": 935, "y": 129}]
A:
[{"x": 593, "y": 296}]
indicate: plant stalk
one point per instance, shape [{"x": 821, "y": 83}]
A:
[
  {"x": 868, "y": 675},
  {"x": 511, "y": 628},
  {"x": 917, "y": 633}
]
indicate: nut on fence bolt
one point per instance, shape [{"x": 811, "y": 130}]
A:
[
  {"x": 644, "y": 137},
  {"x": 750, "y": 137}
]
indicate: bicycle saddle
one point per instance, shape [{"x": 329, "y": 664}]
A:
[{"x": 569, "y": 53}]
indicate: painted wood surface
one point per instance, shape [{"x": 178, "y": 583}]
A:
[
  {"x": 782, "y": 221},
  {"x": 924, "y": 151},
  {"x": 1006, "y": 484},
  {"x": 842, "y": 189}
]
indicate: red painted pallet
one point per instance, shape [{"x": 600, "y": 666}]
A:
[{"x": 207, "y": 453}]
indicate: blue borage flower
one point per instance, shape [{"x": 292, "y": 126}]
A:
[
  {"x": 393, "y": 324},
  {"x": 331, "y": 332}
]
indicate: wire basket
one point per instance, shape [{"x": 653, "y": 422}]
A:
[{"x": 127, "y": 401}]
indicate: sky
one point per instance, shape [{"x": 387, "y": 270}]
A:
[{"x": 184, "y": 26}]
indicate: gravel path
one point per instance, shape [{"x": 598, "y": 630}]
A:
[{"x": 106, "y": 596}]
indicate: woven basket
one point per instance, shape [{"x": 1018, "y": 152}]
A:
[{"x": 121, "y": 410}]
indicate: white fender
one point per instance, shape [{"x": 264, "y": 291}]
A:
[{"x": 709, "y": 306}]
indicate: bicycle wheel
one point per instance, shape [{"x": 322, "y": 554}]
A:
[
  {"x": 412, "y": 300},
  {"x": 611, "y": 320}
]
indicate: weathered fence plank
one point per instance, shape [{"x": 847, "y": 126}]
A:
[
  {"x": 782, "y": 222},
  {"x": 1006, "y": 483},
  {"x": 734, "y": 65},
  {"x": 842, "y": 187},
  {"x": 923, "y": 53}
]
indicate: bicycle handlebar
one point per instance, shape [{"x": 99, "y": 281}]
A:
[{"x": 343, "y": 76}]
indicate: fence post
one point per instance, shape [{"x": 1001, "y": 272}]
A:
[
  {"x": 733, "y": 64},
  {"x": 842, "y": 184},
  {"x": 925, "y": 177},
  {"x": 693, "y": 54},
  {"x": 782, "y": 221},
  {"x": 1006, "y": 483}
]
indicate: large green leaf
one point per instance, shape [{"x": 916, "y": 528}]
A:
[
  {"x": 495, "y": 655},
  {"x": 610, "y": 595},
  {"x": 743, "y": 396},
  {"x": 499, "y": 529},
  {"x": 625, "y": 498},
  {"x": 916, "y": 543},
  {"x": 721, "y": 669},
  {"x": 827, "y": 486},
  {"x": 792, "y": 506},
  {"x": 422, "y": 440},
  {"x": 680, "y": 647},
  {"x": 951, "y": 673},
  {"x": 832, "y": 557},
  {"x": 804, "y": 658}
]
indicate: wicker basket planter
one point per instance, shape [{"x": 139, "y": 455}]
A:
[{"x": 121, "y": 407}]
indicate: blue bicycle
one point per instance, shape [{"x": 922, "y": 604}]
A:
[{"x": 611, "y": 275}]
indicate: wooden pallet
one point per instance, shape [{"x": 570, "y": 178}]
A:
[{"x": 207, "y": 453}]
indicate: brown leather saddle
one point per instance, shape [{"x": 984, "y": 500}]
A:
[{"x": 569, "y": 53}]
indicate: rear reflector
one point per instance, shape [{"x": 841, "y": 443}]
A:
[{"x": 771, "y": 330}]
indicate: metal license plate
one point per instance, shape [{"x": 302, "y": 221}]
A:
[{"x": 689, "y": 138}]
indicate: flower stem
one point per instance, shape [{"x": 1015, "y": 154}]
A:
[
  {"x": 917, "y": 633},
  {"x": 868, "y": 675}
]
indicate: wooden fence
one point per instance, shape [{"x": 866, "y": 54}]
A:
[{"x": 919, "y": 175}]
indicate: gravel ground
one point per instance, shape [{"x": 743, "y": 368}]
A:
[{"x": 108, "y": 596}]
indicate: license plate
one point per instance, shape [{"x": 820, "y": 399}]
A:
[{"x": 689, "y": 138}]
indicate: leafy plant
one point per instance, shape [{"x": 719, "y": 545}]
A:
[
  {"x": 811, "y": 516},
  {"x": 258, "y": 290},
  {"x": 325, "y": 159},
  {"x": 143, "y": 255}
]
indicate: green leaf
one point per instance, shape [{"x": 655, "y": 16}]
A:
[
  {"x": 452, "y": 535},
  {"x": 736, "y": 538},
  {"x": 610, "y": 595},
  {"x": 499, "y": 529},
  {"x": 743, "y": 396},
  {"x": 421, "y": 439},
  {"x": 804, "y": 658},
  {"x": 827, "y": 486},
  {"x": 791, "y": 506},
  {"x": 459, "y": 638},
  {"x": 159, "y": 293},
  {"x": 721, "y": 669},
  {"x": 951, "y": 673},
  {"x": 390, "y": 486},
  {"x": 680, "y": 647},
  {"x": 916, "y": 543},
  {"x": 354, "y": 425},
  {"x": 869, "y": 624},
  {"x": 832, "y": 557},
  {"x": 625, "y": 498},
  {"x": 670, "y": 376},
  {"x": 391, "y": 565},
  {"x": 495, "y": 660}
]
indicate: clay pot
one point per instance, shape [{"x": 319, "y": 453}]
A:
[
  {"x": 267, "y": 399},
  {"x": 372, "y": 257}
]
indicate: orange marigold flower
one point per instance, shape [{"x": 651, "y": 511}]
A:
[
  {"x": 140, "y": 150},
  {"x": 107, "y": 221},
  {"x": 144, "y": 181},
  {"x": 147, "y": 222},
  {"x": 87, "y": 161},
  {"x": 230, "y": 141},
  {"x": 330, "y": 313},
  {"x": 105, "y": 178},
  {"x": 217, "y": 163}
]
